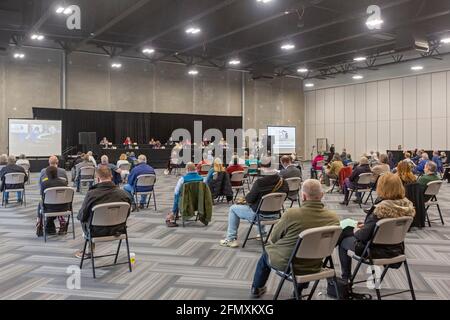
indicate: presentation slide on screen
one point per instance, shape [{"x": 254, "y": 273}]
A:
[
  {"x": 284, "y": 139},
  {"x": 34, "y": 138}
]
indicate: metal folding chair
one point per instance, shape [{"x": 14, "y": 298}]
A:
[
  {"x": 87, "y": 176},
  {"x": 362, "y": 185},
  {"x": 432, "y": 190},
  {"x": 15, "y": 178},
  {"x": 237, "y": 177},
  {"x": 294, "y": 184},
  {"x": 58, "y": 196},
  {"x": 145, "y": 181}
]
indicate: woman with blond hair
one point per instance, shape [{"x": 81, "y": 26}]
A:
[
  {"x": 394, "y": 204},
  {"x": 218, "y": 181},
  {"x": 123, "y": 161}
]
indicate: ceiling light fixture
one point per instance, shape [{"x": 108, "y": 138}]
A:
[
  {"x": 359, "y": 59},
  {"x": 19, "y": 55},
  {"x": 116, "y": 65},
  {"x": 193, "y": 72},
  {"x": 288, "y": 46},
  {"x": 193, "y": 30},
  {"x": 148, "y": 51},
  {"x": 374, "y": 23},
  {"x": 445, "y": 40},
  {"x": 357, "y": 77},
  {"x": 68, "y": 11},
  {"x": 36, "y": 36},
  {"x": 416, "y": 68},
  {"x": 234, "y": 62},
  {"x": 302, "y": 70},
  {"x": 60, "y": 10},
  {"x": 309, "y": 85},
  {"x": 264, "y": 1}
]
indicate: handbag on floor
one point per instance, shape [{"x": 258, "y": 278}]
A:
[{"x": 345, "y": 292}]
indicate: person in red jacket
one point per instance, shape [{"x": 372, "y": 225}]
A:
[
  {"x": 234, "y": 167},
  {"x": 127, "y": 141}
]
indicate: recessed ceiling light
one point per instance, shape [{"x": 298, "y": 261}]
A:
[
  {"x": 193, "y": 72},
  {"x": 357, "y": 77},
  {"x": 234, "y": 62},
  {"x": 288, "y": 46},
  {"x": 309, "y": 85},
  {"x": 302, "y": 70},
  {"x": 148, "y": 51},
  {"x": 116, "y": 65},
  {"x": 60, "y": 10},
  {"x": 416, "y": 68},
  {"x": 193, "y": 30},
  {"x": 445, "y": 40},
  {"x": 264, "y": 1},
  {"x": 67, "y": 11},
  {"x": 359, "y": 59},
  {"x": 36, "y": 36},
  {"x": 19, "y": 55},
  {"x": 374, "y": 23}
]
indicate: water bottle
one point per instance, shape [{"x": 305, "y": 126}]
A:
[{"x": 133, "y": 259}]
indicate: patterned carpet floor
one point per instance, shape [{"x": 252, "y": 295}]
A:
[{"x": 186, "y": 263}]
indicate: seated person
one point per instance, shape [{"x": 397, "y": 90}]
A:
[
  {"x": 51, "y": 180},
  {"x": 104, "y": 142},
  {"x": 391, "y": 161},
  {"x": 270, "y": 182},
  {"x": 312, "y": 214},
  {"x": 52, "y": 162},
  {"x": 190, "y": 176},
  {"x": 289, "y": 170},
  {"x": 218, "y": 181},
  {"x": 141, "y": 168},
  {"x": 172, "y": 163},
  {"x": 408, "y": 160},
  {"x": 348, "y": 160},
  {"x": 417, "y": 156},
  {"x": 252, "y": 161},
  {"x": 208, "y": 160},
  {"x": 131, "y": 157},
  {"x": 332, "y": 170},
  {"x": 105, "y": 191},
  {"x": 123, "y": 161},
  {"x": 437, "y": 160},
  {"x": 381, "y": 167},
  {"x": 157, "y": 145},
  {"x": 78, "y": 177},
  {"x": 77, "y": 160},
  {"x": 12, "y": 167},
  {"x": 393, "y": 205},
  {"x": 317, "y": 164},
  {"x": 116, "y": 172},
  {"x": 235, "y": 166},
  {"x": 419, "y": 169},
  {"x": 430, "y": 175},
  {"x": 23, "y": 161},
  {"x": 344, "y": 155},
  {"x": 405, "y": 173},
  {"x": 351, "y": 182},
  {"x": 91, "y": 158}
]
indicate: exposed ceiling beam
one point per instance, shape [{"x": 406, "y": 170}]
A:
[
  {"x": 352, "y": 16},
  {"x": 199, "y": 16},
  {"x": 112, "y": 23}
]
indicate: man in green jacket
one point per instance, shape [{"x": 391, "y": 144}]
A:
[
  {"x": 285, "y": 234},
  {"x": 429, "y": 176}
]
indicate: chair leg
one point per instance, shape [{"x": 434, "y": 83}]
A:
[
  {"x": 261, "y": 236},
  {"x": 84, "y": 252},
  {"x": 268, "y": 235},
  {"x": 117, "y": 252},
  {"x": 136, "y": 201},
  {"x": 313, "y": 289},
  {"x": 440, "y": 214},
  {"x": 355, "y": 272},
  {"x": 128, "y": 253},
  {"x": 349, "y": 197},
  {"x": 44, "y": 220},
  {"x": 426, "y": 215},
  {"x": 408, "y": 275},
  {"x": 336, "y": 290},
  {"x": 92, "y": 258},
  {"x": 154, "y": 199},
  {"x": 377, "y": 285},
  {"x": 149, "y": 199},
  {"x": 73, "y": 226},
  {"x": 280, "y": 285},
  {"x": 248, "y": 234}
]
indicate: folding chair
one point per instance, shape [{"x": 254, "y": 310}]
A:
[
  {"x": 87, "y": 176},
  {"x": 373, "y": 188},
  {"x": 272, "y": 202},
  {"x": 294, "y": 185},
  {"x": 433, "y": 190},
  {"x": 319, "y": 173},
  {"x": 195, "y": 185},
  {"x": 125, "y": 167},
  {"x": 389, "y": 231},
  {"x": 254, "y": 171},
  {"x": 58, "y": 195},
  {"x": 145, "y": 181},
  {"x": 314, "y": 243},
  {"x": 362, "y": 185},
  {"x": 107, "y": 215},
  {"x": 246, "y": 177},
  {"x": 334, "y": 185},
  {"x": 237, "y": 177},
  {"x": 26, "y": 167},
  {"x": 15, "y": 178}
]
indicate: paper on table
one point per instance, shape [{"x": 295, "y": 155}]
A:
[{"x": 348, "y": 223}]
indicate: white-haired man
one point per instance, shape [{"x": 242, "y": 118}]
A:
[{"x": 141, "y": 168}]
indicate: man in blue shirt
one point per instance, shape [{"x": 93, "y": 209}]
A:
[
  {"x": 437, "y": 159},
  {"x": 141, "y": 168},
  {"x": 190, "y": 176},
  {"x": 421, "y": 166}
]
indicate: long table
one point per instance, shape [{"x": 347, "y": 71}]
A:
[{"x": 157, "y": 158}]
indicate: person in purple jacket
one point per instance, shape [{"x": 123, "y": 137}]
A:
[{"x": 141, "y": 168}]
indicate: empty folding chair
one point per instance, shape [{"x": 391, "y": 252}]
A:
[
  {"x": 146, "y": 181},
  {"x": 389, "y": 231},
  {"x": 272, "y": 202},
  {"x": 294, "y": 185},
  {"x": 432, "y": 190},
  {"x": 87, "y": 176},
  {"x": 15, "y": 178},
  {"x": 237, "y": 183},
  {"x": 315, "y": 243},
  {"x": 107, "y": 215},
  {"x": 363, "y": 186},
  {"x": 58, "y": 196}
]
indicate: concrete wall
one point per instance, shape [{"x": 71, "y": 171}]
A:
[{"x": 143, "y": 87}]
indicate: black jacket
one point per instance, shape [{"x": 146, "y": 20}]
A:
[
  {"x": 220, "y": 185},
  {"x": 357, "y": 171},
  {"x": 52, "y": 184},
  {"x": 105, "y": 192},
  {"x": 11, "y": 168},
  {"x": 264, "y": 186},
  {"x": 414, "y": 192}
]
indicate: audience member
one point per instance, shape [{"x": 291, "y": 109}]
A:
[
  {"x": 332, "y": 169},
  {"x": 23, "y": 161},
  {"x": 91, "y": 158},
  {"x": 312, "y": 214},
  {"x": 190, "y": 176},
  {"x": 269, "y": 183},
  {"x": 52, "y": 162},
  {"x": 437, "y": 160},
  {"x": 348, "y": 160},
  {"x": 235, "y": 166},
  {"x": 289, "y": 170},
  {"x": 408, "y": 160},
  {"x": 252, "y": 161},
  {"x": 429, "y": 175},
  {"x": 393, "y": 205},
  {"x": 123, "y": 161},
  {"x": 419, "y": 169},
  {"x": 105, "y": 191},
  {"x": 12, "y": 167},
  {"x": 116, "y": 172},
  {"x": 405, "y": 173},
  {"x": 78, "y": 177},
  {"x": 218, "y": 181},
  {"x": 380, "y": 168},
  {"x": 344, "y": 155},
  {"x": 141, "y": 168},
  {"x": 317, "y": 164},
  {"x": 351, "y": 182}
]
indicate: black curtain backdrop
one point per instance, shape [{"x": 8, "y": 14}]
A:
[{"x": 141, "y": 127}]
